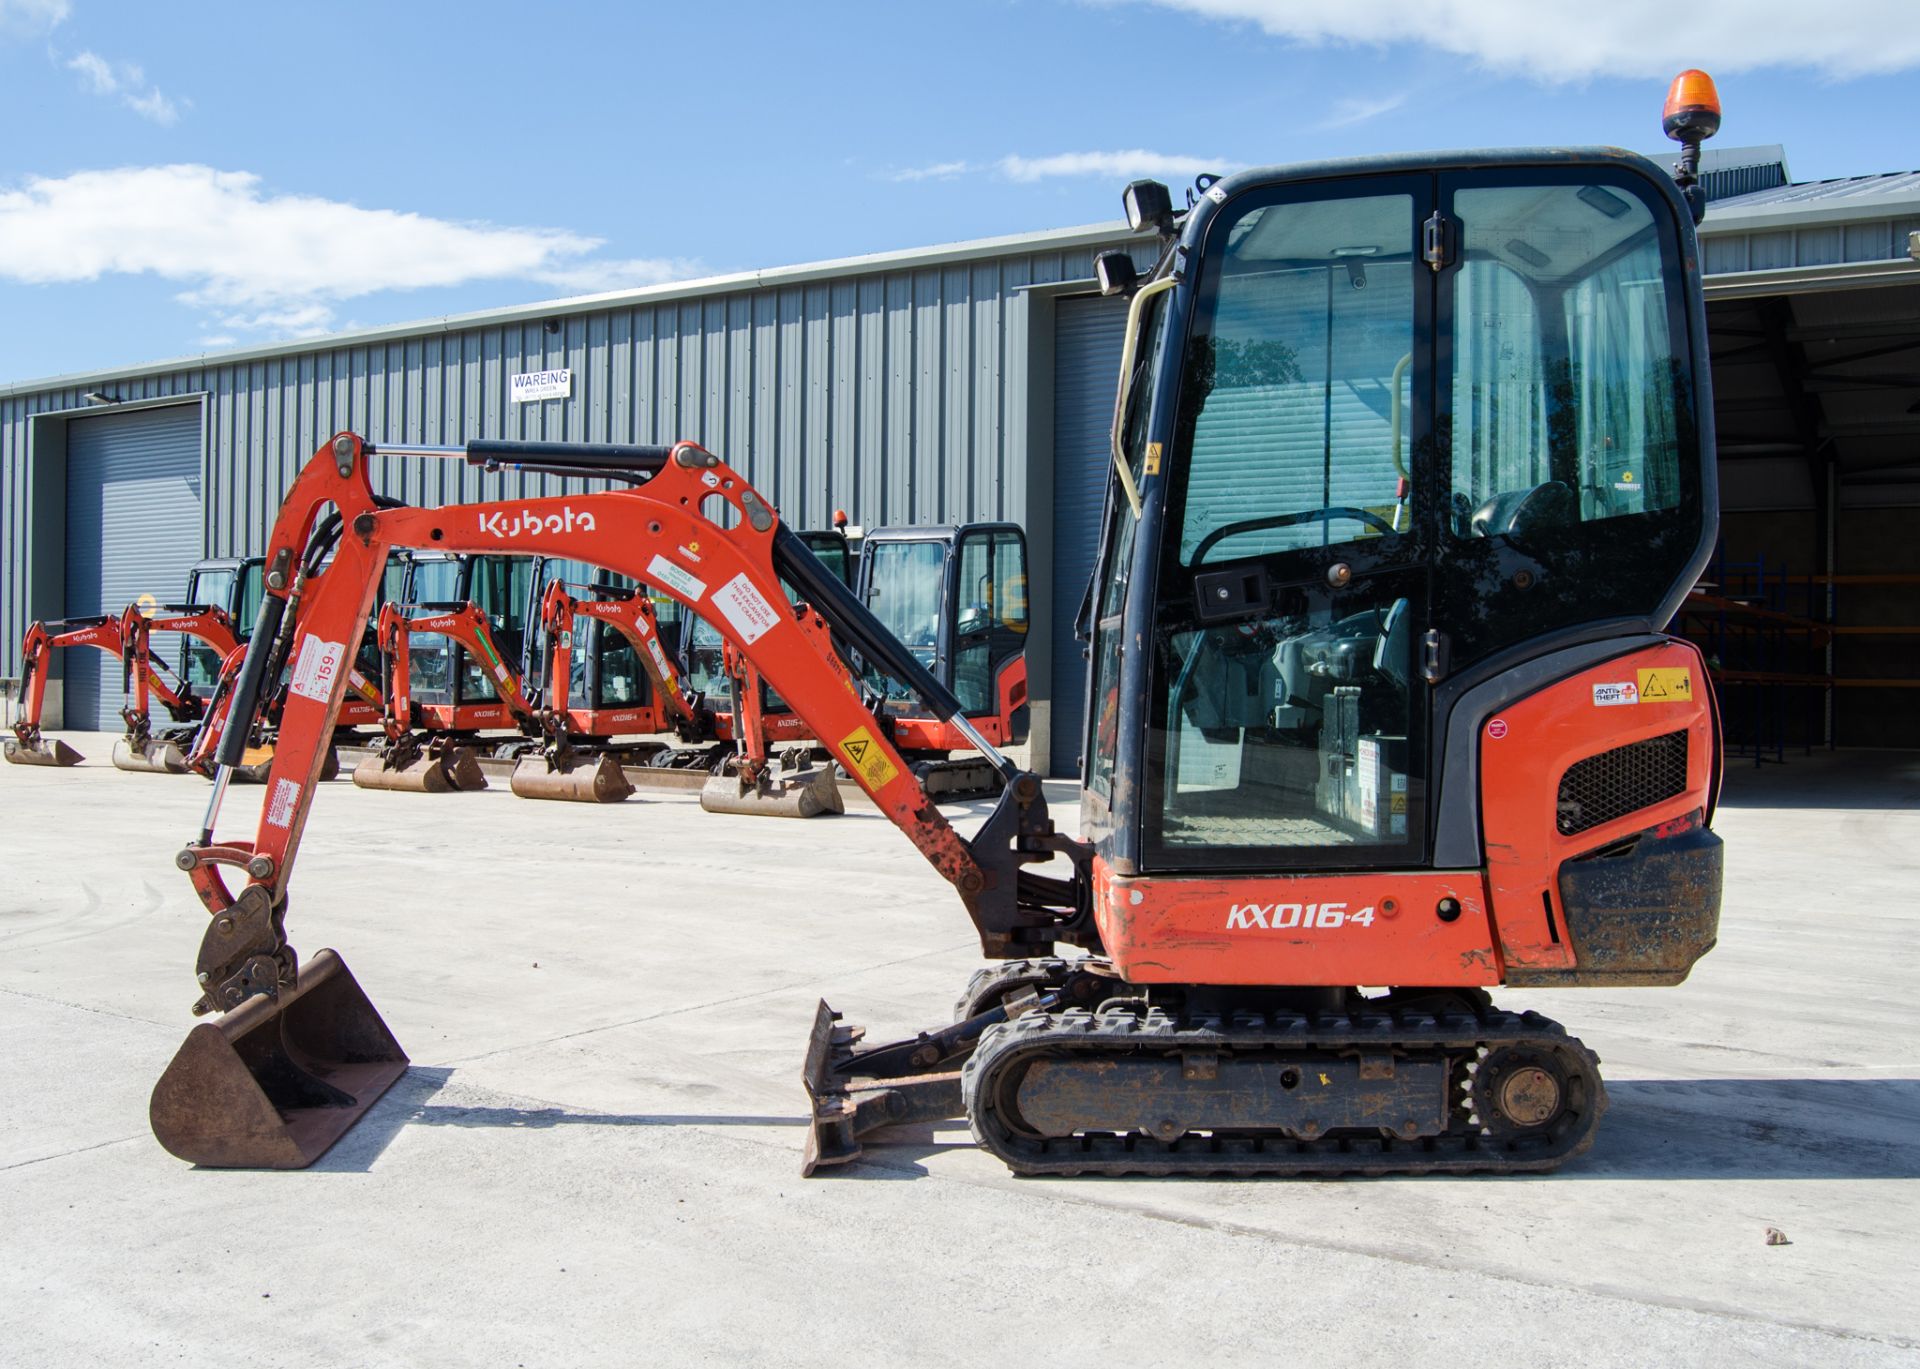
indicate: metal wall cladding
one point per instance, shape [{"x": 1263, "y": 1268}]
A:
[
  {"x": 1819, "y": 244},
  {"x": 897, "y": 395}
]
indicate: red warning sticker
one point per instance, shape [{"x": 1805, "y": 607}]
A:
[{"x": 1497, "y": 728}]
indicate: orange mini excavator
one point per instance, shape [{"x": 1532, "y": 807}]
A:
[
  {"x": 1412, "y": 466},
  {"x": 440, "y": 756},
  {"x": 206, "y": 625},
  {"x": 143, "y": 678},
  {"x": 580, "y": 754}
]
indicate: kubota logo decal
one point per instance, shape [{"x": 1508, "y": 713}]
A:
[
  {"x": 526, "y": 521},
  {"x": 1281, "y": 917}
]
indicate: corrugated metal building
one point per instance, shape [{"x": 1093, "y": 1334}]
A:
[{"x": 970, "y": 381}]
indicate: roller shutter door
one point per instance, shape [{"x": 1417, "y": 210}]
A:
[
  {"x": 133, "y": 528},
  {"x": 1086, "y": 369}
]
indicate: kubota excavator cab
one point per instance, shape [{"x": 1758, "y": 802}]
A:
[
  {"x": 446, "y": 676},
  {"x": 232, "y": 583},
  {"x": 956, "y": 595}
]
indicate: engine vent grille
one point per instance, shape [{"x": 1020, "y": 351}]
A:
[{"x": 1621, "y": 781}]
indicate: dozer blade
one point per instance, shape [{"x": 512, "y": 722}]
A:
[
  {"x": 602, "y": 781},
  {"x": 152, "y": 756},
  {"x": 46, "y": 751},
  {"x": 848, "y": 1105},
  {"x": 428, "y": 773},
  {"x": 801, "y": 794},
  {"x": 274, "y": 1083}
]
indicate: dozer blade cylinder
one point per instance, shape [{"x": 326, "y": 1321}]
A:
[
  {"x": 807, "y": 794},
  {"x": 275, "y": 1082},
  {"x": 602, "y": 781},
  {"x": 152, "y": 757},
  {"x": 47, "y": 751}
]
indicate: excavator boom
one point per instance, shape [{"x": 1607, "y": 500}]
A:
[{"x": 323, "y": 572}]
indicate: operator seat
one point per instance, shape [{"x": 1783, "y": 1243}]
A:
[{"x": 1515, "y": 513}]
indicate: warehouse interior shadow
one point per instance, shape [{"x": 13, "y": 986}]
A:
[{"x": 1662, "y": 1129}]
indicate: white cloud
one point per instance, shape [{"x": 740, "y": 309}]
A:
[
  {"x": 1349, "y": 112},
  {"x": 1568, "y": 40},
  {"x": 1113, "y": 165},
  {"x": 939, "y": 171},
  {"x": 597, "y": 277},
  {"x": 31, "y": 18},
  {"x": 126, "y": 80},
  {"x": 276, "y": 264}
]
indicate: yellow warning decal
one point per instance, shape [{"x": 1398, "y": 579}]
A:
[
  {"x": 1666, "y": 684},
  {"x": 1153, "y": 458},
  {"x": 866, "y": 755}
]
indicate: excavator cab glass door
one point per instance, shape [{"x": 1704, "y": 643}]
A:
[
  {"x": 502, "y": 589},
  {"x": 234, "y": 585},
  {"x": 437, "y": 581},
  {"x": 1293, "y": 712},
  {"x": 209, "y": 585}
]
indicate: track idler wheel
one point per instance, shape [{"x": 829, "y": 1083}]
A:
[
  {"x": 598, "y": 781},
  {"x": 274, "y": 1083},
  {"x": 779, "y": 793},
  {"x": 40, "y": 751},
  {"x": 151, "y": 756}
]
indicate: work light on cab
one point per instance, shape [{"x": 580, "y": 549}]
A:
[
  {"x": 1691, "y": 117},
  {"x": 1149, "y": 205}
]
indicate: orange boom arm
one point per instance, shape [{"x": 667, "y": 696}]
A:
[{"x": 314, "y": 610}]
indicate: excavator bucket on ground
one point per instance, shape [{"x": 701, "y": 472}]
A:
[
  {"x": 775, "y": 793},
  {"x": 275, "y": 1082},
  {"x": 40, "y": 751},
  {"x": 434, "y": 770},
  {"x": 151, "y": 755},
  {"x": 599, "y": 781}
]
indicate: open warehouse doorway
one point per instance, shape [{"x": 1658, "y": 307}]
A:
[{"x": 1810, "y": 613}]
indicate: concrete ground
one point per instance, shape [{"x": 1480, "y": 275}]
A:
[{"x": 595, "y": 1159}]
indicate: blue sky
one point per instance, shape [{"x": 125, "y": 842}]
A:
[{"x": 185, "y": 177}]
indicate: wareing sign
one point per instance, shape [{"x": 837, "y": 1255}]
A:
[{"x": 540, "y": 385}]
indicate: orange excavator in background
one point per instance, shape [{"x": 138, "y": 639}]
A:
[
  {"x": 139, "y": 749},
  {"x": 440, "y": 756},
  {"x": 957, "y": 597},
  {"x": 621, "y": 649},
  {"x": 237, "y": 582},
  {"x": 1332, "y": 742},
  {"x": 143, "y": 679}
]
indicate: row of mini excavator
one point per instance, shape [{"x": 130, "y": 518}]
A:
[
  {"x": 573, "y": 679},
  {"x": 602, "y": 676}
]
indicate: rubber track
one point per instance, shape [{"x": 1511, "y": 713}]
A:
[{"x": 1462, "y": 1149}]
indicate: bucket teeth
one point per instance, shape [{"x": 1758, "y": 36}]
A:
[
  {"x": 600, "y": 780},
  {"x": 791, "y": 794},
  {"x": 40, "y": 751}
]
